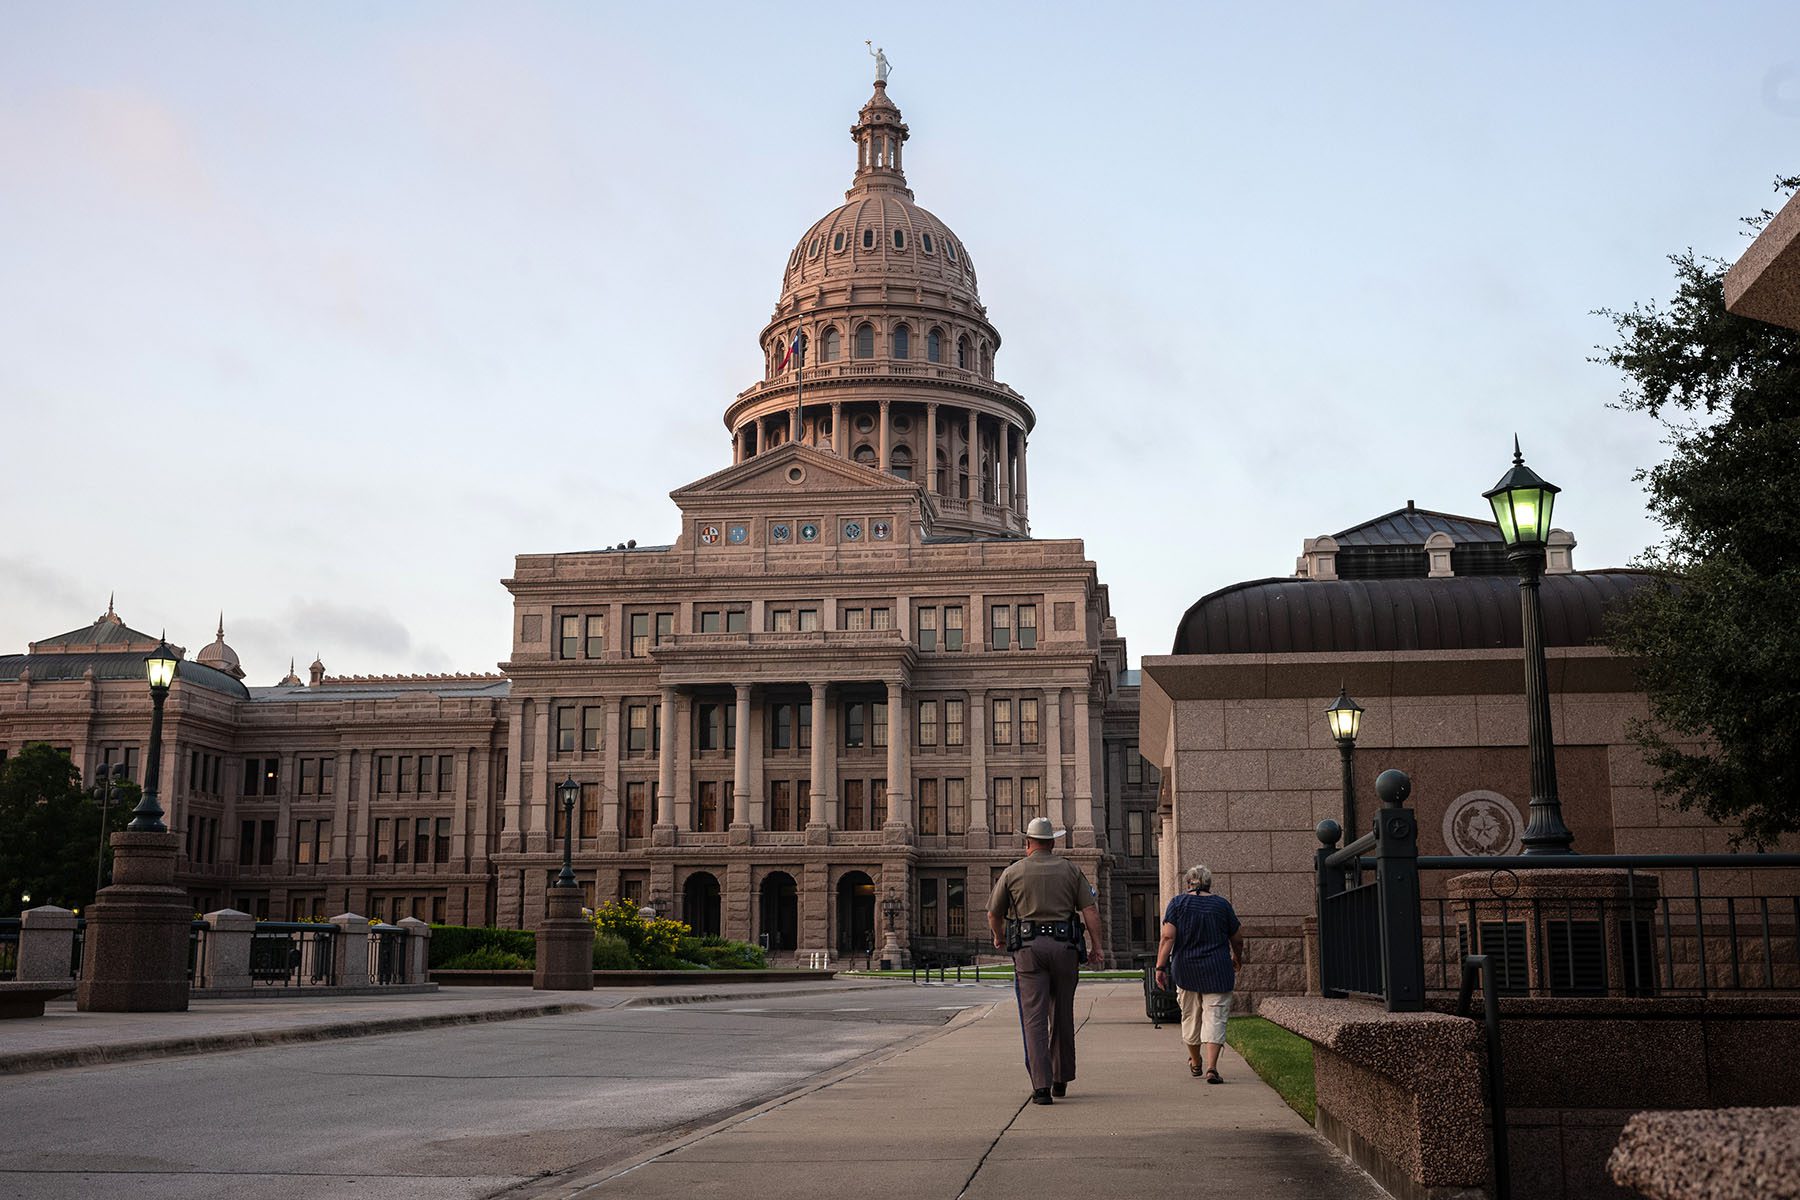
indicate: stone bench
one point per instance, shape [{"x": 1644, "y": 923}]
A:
[
  {"x": 25, "y": 997},
  {"x": 1711, "y": 1154}
]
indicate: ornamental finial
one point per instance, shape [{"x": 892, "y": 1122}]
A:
[{"x": 881, "y": 60}]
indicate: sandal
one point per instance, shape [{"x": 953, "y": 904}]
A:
[
  {"x": 1213, "y": 1076},
  {"x": 1194, "y": 1070}
]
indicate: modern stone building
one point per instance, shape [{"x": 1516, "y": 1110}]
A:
[{"x": 837, "y": 696}]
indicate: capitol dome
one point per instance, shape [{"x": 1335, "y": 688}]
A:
[
  {"x": 219, "y": 656},
  {"x": 880, "y": 350}
]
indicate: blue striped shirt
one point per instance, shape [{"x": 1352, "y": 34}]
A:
[{"x": 1201, "y": 960}]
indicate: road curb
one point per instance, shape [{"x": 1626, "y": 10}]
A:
[
  {"x": 90, "y": 1056},
  {"x": 721, "y": 997}
]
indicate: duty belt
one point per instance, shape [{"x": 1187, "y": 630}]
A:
[{"x": 1020, "y": 932}]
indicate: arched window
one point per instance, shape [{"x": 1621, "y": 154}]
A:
[
  {"x": 902, "y": 342},
  {"x": 962, "y": 472},
  {"x": 987, "y": 361},
  {"x": 837, "y": 240},
  {"x": 950, "y": 249},
  {"x": 814, "y": 251},
  {"x": 865, "y": 340},
  {"x": 899, "y": 239},
  {"x": 934, "y": 346},
  {"x": 868, "y": 239},
  {"x": 828, "y": 343},
  {"x": 962, "y": 353},
  {"x": 900, "y": 462},
  {"x": 864, "y": 454},
  {"x": 926, "y": 238}
]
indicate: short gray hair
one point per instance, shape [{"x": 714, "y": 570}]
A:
[{"x": 1197, "y": 877}]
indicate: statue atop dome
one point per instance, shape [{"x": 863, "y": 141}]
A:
[{"x": 881, "y": 60}]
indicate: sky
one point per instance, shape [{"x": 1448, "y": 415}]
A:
[{"x": 316, "y": 315}]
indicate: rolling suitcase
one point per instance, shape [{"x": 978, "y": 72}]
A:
[{"x": 1160, "y": 1005}]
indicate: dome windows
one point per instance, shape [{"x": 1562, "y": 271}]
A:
[
  {"x": 926, "y": 238},
  {"x": 934, "y": 344},
  {"x": 902, "y": 342},
  {"x": 828, "y": 341},
  {"x": 899, "y": 239},
  {"x": 868, "y": 239},
  {"x": 837, "y": 242},
  {"x": 950, "y": 249},
  {"x": 865, "y": 423},
  {"x": 962, "y": 353},
  {"x": 814, "y": 251},
  {"x": 865, "y": 340},
  {"x": 900, "y": 462},
  {"x": 864, "y": 454}
]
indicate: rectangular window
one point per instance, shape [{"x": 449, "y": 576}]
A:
[
  {"x": 590, "y": 729},
  {"x": 637, "y": 729},
  {"x": 877, "y": 803},
  {"x": 252, "y": 776},
  {"x": 855, "y": 718},
  {"x": 265, "y": 843},
  {"x": 710, "y": 620},
  {"x": 953, "y": 627},
  {"x": 809, "y": 620},
  {"x": 928, "y": 725},
  {"x": 1027, "y": 626},
  {"x": 438, "y": 906},
  {"x": 1001, "y": 631},
  {"x": 1140, "y": 917},
  {"x": 247, "y": 844},
  {"x": 781, "y": 804},
  {"x": 327, "y": 776},
  {"x": 1031, "y": 801},
  {"x": 427, "y": 773},
  {"x": 853, "y": 618},
  {"x": 402, "y": 840},
  {"x": 956, "y": 806},
  {"x": 781, "y": 726},
  {"x": 706, "y": 811},
  {"x": 928, "y": 908},
  {"x": 928, "y": 807},
  {"x": 422, "y": 840},
  {"x": 640, "y": 635},
  {"x": 781, "y": 620},
  {"x": 853, "y": 804},
  {"x": 803, "y": 725},
  {"x": 309, "y": 772},
  {"x": 878, "y": 724},
  {"x": 303, "y": 841},
  {"x": 595, "y": 641},
  {"x": 710, "y": 726},
  {"x": 665, "y": 627},
  {"x": 737, "y": 620},
  {"x": 881, "y": 618},
  {"x": 635, "y": 807},
  {"x": 927, "y": 629},
  {"x": 1134, "y": 833},
  {"x": 1028, "y": 721},
  {"x": 590, "y": 810},
  {"x": 565, "y": 730},
  {"x": 1002, "y": 722},
  {"x": 446, "y": 772},
  {"x": 406, "y": 774},
  {"x": 380, "y": 848},
  {"x": 569, "y": 639},
  {"x": 953, "y": 722},
  {"x": 441, "y": 838},
  {"x": 1002, "y": 792},
  {"x": 384, "y": 774}
]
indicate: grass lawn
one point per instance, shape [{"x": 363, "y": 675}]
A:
[
  {"x": 1284, "y": 1060},
  {"x": 987, "y": 972}
]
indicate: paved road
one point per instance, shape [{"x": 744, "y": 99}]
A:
[{"x": 460, "y": 1112}]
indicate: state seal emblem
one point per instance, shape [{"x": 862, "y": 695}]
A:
[{"x": 1483, "y": 823}]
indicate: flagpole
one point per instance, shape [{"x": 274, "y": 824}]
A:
[{"x": 799, "y": 384}]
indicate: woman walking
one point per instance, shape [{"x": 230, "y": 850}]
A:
[{"x": 1202, "y": 948}]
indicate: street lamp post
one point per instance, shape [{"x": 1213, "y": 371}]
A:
[
  {"x": 567, "y": 792},
  {"x": 1345, "y": 718},
  {"x": 108, "y": 772},
  {"x": 890, "y": 908},
  {"x": 159, "y": 668},
  {"x": 1522, "y": 503}
]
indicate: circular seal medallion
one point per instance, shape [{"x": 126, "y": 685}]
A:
[
  {"x": 852, "y": 531},
  {"x": 1482, "y": 822},
  {"x": 809, "y": 532},
  {"x": 737, "y": 535},
  {"x": 709, "y": 534},
  {"x": 881, "y": 530},
  {"x": 779, "y": 532}
]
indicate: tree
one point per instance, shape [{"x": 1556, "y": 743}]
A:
[
  {"x": 50, "y": 829},
  {"x": 1718, "y": 634}
]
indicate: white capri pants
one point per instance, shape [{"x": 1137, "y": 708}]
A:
[{"x": 1203, "y": 1016}]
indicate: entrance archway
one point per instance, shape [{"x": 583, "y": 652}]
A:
[
  {"x": 855, "y": 913},
  {"x": 700, "y": 903},
  {"x": 780, "y": 916}
]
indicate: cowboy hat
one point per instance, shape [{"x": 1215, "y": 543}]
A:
[{"x": 1040, "y": 830}]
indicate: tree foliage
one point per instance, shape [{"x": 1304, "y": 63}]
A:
[
  {"x": 50, "y": 830},
  {"x": 1718, "y": 636}
]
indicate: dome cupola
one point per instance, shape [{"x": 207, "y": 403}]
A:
[{"x": 219, "y": 656}]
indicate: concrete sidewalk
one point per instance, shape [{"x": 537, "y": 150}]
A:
[
  {"x": 64, "y": 1038},
  {"x": 948, "y": 1118}
]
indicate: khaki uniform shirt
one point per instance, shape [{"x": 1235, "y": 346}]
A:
[{"x": 1041, "y": 887}]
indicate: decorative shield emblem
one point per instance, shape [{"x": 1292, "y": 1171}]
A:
[
  {"x": 1483, "y": 822},
  {"x": 709, "y": 534},
  {"x": 780, "y": 532},
  {"x": 809, "y": 532},
  {"x": 852, "y": 531},
  {"x": 737, "y": 535},
  {"x": 881, "y": 530}
]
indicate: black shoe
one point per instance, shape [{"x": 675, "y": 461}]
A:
[
  {"x": 1041, "y": 1096},
  {"x": 1059, "y": 1090}
]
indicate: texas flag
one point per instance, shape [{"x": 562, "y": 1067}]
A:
[{"x": 788, "y": 353}]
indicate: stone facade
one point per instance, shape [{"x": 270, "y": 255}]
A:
[{"x": 840, "y": 692}]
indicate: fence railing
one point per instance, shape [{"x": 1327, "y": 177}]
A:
[
  {"x": 387, "y": 954},
  {"x": 293, "y": 954},
  {"x": 1616, "y": 925}
]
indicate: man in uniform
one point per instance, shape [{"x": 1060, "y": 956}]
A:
[{"x": 1037, "y": 911}]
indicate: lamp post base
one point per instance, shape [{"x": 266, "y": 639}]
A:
[
  {"x": 134, "y": 956},
  {"x": 565, "y": 946}
]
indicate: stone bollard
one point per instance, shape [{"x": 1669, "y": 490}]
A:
[
  {"x": 565, "y": 946},
  {"x": 134, "y": 956},
  {"x": 46, "y": 945},
  {"x": 418, "y": 950},
  {"x": 352, "y": 950},
  {"x": 226, "y": 959}
]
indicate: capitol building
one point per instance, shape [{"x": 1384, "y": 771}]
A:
[{"x": 833, "y": 699}]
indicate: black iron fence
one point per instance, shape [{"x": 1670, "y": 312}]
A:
[
  {"x": 1620, "y": 925},
  {"x": 387, "y": 954},
  {"x": 293, "y": 954}
]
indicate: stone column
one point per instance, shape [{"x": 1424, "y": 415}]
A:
[
  {"x": 227, "y": 960},
  {"x": 838, "y": 440},
  {"x": 931, "y": 462},
  {"x": 1021, "y": 498},
  {"x": 1053, "y": 793},
  {"x": 565, "y": 946},
  {"x": 973, "y": 451},
  {"x": 977, "y": 735},
  {"x": 815, "y": 827},
  {"x": 1083, "y": 799},
  {"x": 538, "y": 810},
  {"x": 418, "y": 946},
  {"x": 899, "y": 764},
  {"x": 46, "y": 945},
  {"x": 684, "y": 762},
  {"x": 664, "y": 833},
  {"x": 740, "y": 778},
  {"x": 887, "y": 437},
  {"x": 134, "y": 956},
  {"x": 352, "y": 950},
  {"x": 1003, "y": 494}
]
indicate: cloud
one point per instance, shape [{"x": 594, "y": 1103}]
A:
[
  {"x": 27, "y": 585},
  {"x": 134, "y": 142}
]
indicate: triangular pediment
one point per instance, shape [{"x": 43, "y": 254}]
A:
[{"x": 790, "y": 469}]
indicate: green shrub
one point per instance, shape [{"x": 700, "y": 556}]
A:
[
  {"x": 449, "y": 942},
  {"x": 651, "y": 941},
  {"x": 611, "y": 953},
  {"x": 488, "y": 958},
  {"x": 722, "y": 954}
]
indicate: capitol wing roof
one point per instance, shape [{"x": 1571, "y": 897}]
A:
[
  {"x": 774, "y": 472},
  {"x": 1411, "y": 526}
]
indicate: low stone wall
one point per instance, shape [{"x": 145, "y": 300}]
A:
[
  {"x": 603, "y": 979},
  {"x": 1400, "y": 1093},
  {"x": 1715, "y": 1154}
]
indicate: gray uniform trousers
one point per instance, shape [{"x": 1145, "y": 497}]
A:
[{"x": 1044, "y": 976}]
